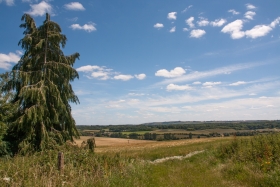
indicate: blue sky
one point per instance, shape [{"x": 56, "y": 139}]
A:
[{"x": 155, "y": 60}]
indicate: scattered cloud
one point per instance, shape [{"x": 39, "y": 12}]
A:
[
  {"x": 250, "y": 6},
  {"x": 197, "y": 33},
  {"x": 234, "y": 29},
  {"x": 171, "y": 87},
  {"x": 87, "y": 27},
  {"x": 7, "y": 59},
  {"x": 186, "y": 9},
  {"x": 210, "y": 84},
  {"x": 190, "y": 22},
  {"x": 88, "y": 68},
  {"x": 73, "y": 19},
  {"x": 173, "y": 29},
  {"x": 8, "y": 2},
  {"x": 74, "y": 6},
  {"x": 140, "y": 76},
  {"x": 218, "y": 22},
  {"x": 258, "y": 31},
  {"x": 136, "y": 94},
  {"x": 275, "y": 22},
  {"x": 101, "y": 73},
  {"x": 233, "y": 12},
  {"x": 237, "y": 83},
  {"x": 104, "y": 73},
  {"x": 249, "y": 15},
  {"x": 158, "y": 25},
  {"x": 185, "y": 29},
  {"x": 40, "y": 9},
  {"x": 172, "y": 15},
  {"x": 203, "y": 22},
  {"x": 199, "y": 75},
  {"x": 176, "y": 72},
  {"x": 196, "y": 83},
  {"x": 123, "y": 77}
]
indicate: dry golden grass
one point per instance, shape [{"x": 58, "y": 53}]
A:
[{"x": 115, "y": 144}]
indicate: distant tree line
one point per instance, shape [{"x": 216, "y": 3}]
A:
[{"x": 238, "y": 125}]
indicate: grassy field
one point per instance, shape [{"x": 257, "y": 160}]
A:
[{"x": 231, "y": 161}]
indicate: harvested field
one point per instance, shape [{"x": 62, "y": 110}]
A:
[
  {"x": 112, "y": 142},
  {"x": 117, "y": 144}
]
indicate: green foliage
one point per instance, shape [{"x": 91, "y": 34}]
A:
[
  {"x": 190, "y": 135},
  {"x": 188, "y": 125},
  {"x": 6, "y": 111},
  {"x": 257, "y": 158},
  {"x": 41, "y": 81},
  {"x": 118, "y": 135},
  {"x": 264, "y": 150},
  {"x": 133, "y": 136},
  {"x": 91, "y": 144},
  {"x": 150, "y": 136}
]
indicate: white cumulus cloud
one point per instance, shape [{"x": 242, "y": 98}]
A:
[
  {"x": 7, "y": 59},
  {"x": 197, "y": 33},
  {"x": 218, "y": 22},
  {"x": 234, "y": 29},
  {"x": 123, "y": 77},
  {"x": 249, "y": 15},
  {"x": 140, "y": 76},
  {"x": 172, "y": 15},
  {"x": 202, "y": 22},
  {"x": 190, "y": 22},
  {"x": 74, "y": 6},
  {"x": 40, "y": 9},
  {"x": 171, "y": 87},
  {"x": 88, "y": 68},
  {"x": 173, "y": 29},
  {"x": 233, "y": 12},
  {"x": 87, "y": 27},
  {"x": 101, "y": 73},
  {"x": 158, "y": 25},
  {"x": 258, "y": 31},
  {"x": 185, "y": 29},
  {"x": 176, "y": 72},
  {"x": 250, "y": 6}
]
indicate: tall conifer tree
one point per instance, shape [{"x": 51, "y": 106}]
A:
[{"x": 41, "y": 81}]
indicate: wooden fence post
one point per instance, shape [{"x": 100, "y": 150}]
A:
[{"x": 60, "y": 162}]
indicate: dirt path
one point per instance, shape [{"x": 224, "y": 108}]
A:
[{"x": 175, "y": 157}]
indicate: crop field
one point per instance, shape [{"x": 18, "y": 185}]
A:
[
  {"x": 112, "y": 142},
  {"x": 122, "y": 144}
]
